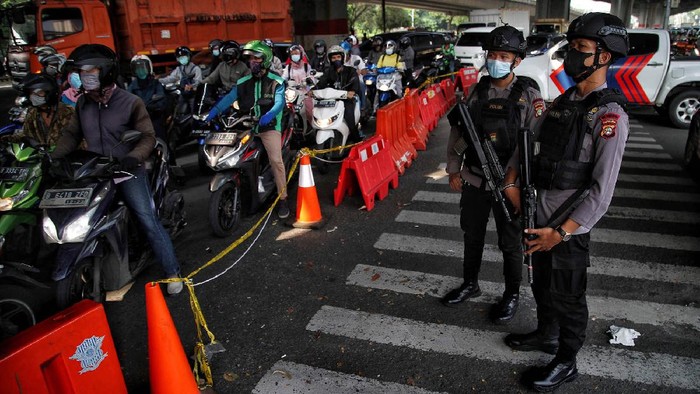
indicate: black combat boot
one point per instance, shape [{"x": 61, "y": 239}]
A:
[
  {"x": 504, "y": 311},
  {"x": 468, "y": 289},
  {"x": 543, "y": 340}
]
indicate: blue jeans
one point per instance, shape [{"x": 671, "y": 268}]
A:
[{"x": 138, "y": 198}]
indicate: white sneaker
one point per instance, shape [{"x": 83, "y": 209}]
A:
[{"x": 174, "y": 287}]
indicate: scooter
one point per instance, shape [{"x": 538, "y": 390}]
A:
[
  {"x": 387, "y": 85},
  {"x": 420, "y": 75},
  {"x": 243, "y": 178},
  {"x": 100, "y": 247},
  {"x": 295, "y": 97},
  {"x": 178, "y": 123},
  {"x": 329, "y": 122},
  {"x": 17, "y": 114},
  {"x": 205, "y": 98}
]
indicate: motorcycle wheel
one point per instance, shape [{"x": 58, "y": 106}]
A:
[
  {"x": 78, "y": 285},
  {"x": 18, "y": 307},
  {"x": 225, "y": 210},
  {"x": 320, "y": 164}
]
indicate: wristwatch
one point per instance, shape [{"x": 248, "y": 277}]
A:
[{"x": 564, "y": 235}]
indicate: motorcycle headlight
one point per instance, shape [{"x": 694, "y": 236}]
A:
[
  {"x": 49, "y": 231},
  {"x": 78, "y": 229},
  {"x": 290, "y": 95},
  {"x": 323, "y": 123},
  {"x": 7, "y": 203},
  {"x": 369, "y": 82},
  {"x": 201, "y": 118}
]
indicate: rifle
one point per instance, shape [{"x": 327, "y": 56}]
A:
[
  {"x": 528, "y": 194},
  {"x": 490, "y": 166}
]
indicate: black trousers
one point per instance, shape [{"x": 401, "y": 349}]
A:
[
  {"x": 349, "y": 115},
  {"x": 559, "y": 287},
  {"x": 476, "y": 204}
]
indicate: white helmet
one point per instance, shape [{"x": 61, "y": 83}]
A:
[{"x": 142, "y": 61}]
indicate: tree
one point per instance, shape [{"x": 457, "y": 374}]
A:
[{"x": 356, "y": 11}]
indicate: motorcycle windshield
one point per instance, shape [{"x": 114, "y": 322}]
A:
[
  {"x": 329, "y": 94},
  {"x": 386, "y": 70}
]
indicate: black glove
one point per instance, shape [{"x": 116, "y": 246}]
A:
[{"x": 129, "y": 163}]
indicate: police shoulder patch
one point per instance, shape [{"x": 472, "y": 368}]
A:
[
  {"x": 609, "y": 125},
  {"x": 538, "y": 105}
]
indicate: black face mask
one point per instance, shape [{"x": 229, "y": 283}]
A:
[
  {"x": 337, "y": 64},
  {"x": 574, "y": 64}
]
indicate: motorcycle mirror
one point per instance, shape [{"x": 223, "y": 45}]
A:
[
  {"x": 130, "y": 136},
  {"x": 357, "y": 63},
  {"x": 312, "y": 72},
  {"x": 264, "y": 102}
]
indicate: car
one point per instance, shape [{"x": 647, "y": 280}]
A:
[
  {"x": 691, "y": 159},
  {"x": 425, "y": 44},
  {"x": 468, "y": 48},
  {"x": 538, "y": 44}
]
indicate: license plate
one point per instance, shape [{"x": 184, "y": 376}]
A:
[
  {"x": 221, "y": 139},
  {"x": 200, "y": 133},
  {"x": 66, "y": 198},
  {"x": 325, "y": 104},
  {"x": 14, "y": 174}
]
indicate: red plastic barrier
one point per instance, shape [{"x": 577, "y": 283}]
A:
[
  {"x": 70, "y": 352},
  {"x": 415, "y": 129},
  {"x": 370, "y": 166},
  {"x": 401, "y": 139},
  {"x": 448, "y": 89},
  {"x": 467, "y": 77},
  {"x": 385, "y": 128},
  {"x": 440, "y": 99},
  {"x": 435, "y": 105},
  {"x": 427, "y": 114}
]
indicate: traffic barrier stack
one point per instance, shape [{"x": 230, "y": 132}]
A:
[
  {"x": 369, "y": 167},
  {"x": 415, "y": 129},
  {"x": 168, "y": 367},
  {"x": 427, "y": 114},
  {"x": 70, "y": 352},
  {"x": 467, "y": 77}
]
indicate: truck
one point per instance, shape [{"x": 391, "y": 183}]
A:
[
  {"x": 130, "y": 27},
  {"x": 550, "y": 26},
  {"x": 648, "y": 76},
  {"x": 499, "y": 17}
]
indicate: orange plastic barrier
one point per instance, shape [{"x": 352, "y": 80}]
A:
[
  {"x": 370, "y": 166},
  {"x": 70, "y": 352},
  {"x": 401, "y": 138},
  {"x": 426, "y": 112},
  {"x": 441, "y": 103},
  {"x": 448, "y": 89},
  {"x": 467, "y": 77},
  {"x": 169, "y": 369},
  {"x": 391, "y": 125},
  {"x": 416, "y": 131}
]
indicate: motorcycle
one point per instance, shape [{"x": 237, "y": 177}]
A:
[
  {"x": 370, "y": 81},
  {"x": 243, "y": 178},
  {"x": 329, "y": 122},
  {"x": 420, "y": 75},
  {"x": 295, "y": 97},
  {"x": 387, "y": 86},
  {"x": 441, "y": 64},
  {"x": 205, "y": 98},
  {"x": 17, "y": 114},
  {"x": 178, "y": 123},
  {"x": 23, "y": 288},
  {"x": 100, "y": 247}
]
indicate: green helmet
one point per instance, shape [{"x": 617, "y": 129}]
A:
[{"x": 258, "y": 48}]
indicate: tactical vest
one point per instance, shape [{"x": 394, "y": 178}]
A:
[
  {"x": 561, "y": 139},
  {"x": 497, "y": 119},
  {"x": 251, "y": 89}
]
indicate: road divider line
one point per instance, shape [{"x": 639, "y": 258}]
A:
[
  {"x": 635, "y": 145},
  {"x": 636, "y": 138},
  {"x": 288, "y": 377},
  {"x": 662, "y": 180},
  {"x": 646, "y": 155},
  {"x": 605, "y": 362},
  {"x": 651, "y": 165},
  {"x": 600, "y": 265}
]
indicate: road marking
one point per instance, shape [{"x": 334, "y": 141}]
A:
[
  {"x": 606, "y": 308},
  {"x": 656, "y": 195},
  {"x": 606, "y": 362},
  {"x": 287, "y": 377},
  {"x": 651, "y": 165},
  {"x": 646, "y": 155},
  {"x": 636, "y": 126},
  {"x": 643, "y": 146},
  {"x": 600, "y": 265},
  {"x": 634, "y": 138},
  {"x": 663, "y": 180}
]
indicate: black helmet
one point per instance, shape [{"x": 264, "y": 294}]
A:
[
  {"x": 405, "y": 42},
  {"x": 45, "y": 50},
  {"x": 183, "y": 51},
  {"x": 506, "y": 38},
  {"x": 49, "y": 85},
  {"x": 320, "y": 43},
  {"x": 230, "y": 50},
  {"x": 377, "y": 41},
  {"x": 269, "y": 43},
  {"x": 606, "y": 29},
  {"x": 88, "y": 56},
  {"x": 215, "y": 43}
]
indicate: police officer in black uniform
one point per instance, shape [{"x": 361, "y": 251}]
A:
[
  {"x": 581, "y": 141},
  {"x": 500, "y": 104}
]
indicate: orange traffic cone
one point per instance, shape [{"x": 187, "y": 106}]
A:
[
  {"x": 308, "y": 208},
  {"x": 169, "y": 370}
]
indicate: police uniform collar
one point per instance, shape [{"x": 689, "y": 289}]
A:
[
  {"x": 509, "y": 87},
  {"x": 575, "y": 96}
]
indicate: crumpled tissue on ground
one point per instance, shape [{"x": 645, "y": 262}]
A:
[{"x": 623, "y": 336}]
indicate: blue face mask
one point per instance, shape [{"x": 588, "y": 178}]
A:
[
  {"x": 74, "y": 81},
  {"x": 141, "y": 73},
  {"x": 183, "y": 60},
  {"x": 296, "y": 58},
  {"x": 215, "y": 52},
  {"x": 498, "y": 69}
]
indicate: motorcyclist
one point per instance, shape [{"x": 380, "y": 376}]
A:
[
  {"x": 261, "y": 83},
  {"x": 46, "y": 117},
  {"x": 104, "y": 113},
  {"x": 298, "y": 70},
  {"x": 187, "y": 75},
  {"x": 150, "y": 91},
  {"x": 52, "y": 65},
  {"x": 276, "y": 62},
  {"x": 231, "y": 69},
  {"x": 377, "y": 49},
  {"x": 354, "y": 45},
  {"x": 391, "y": 58},
  {"x": 342, "y": 77},
  {"x": 448, "y": 51},
  {"x": 71, "y": 94},
  {"x": 319, "y": 58},
  {"x": 215, "y": 50},
  {"x": 359, "y": 65},
  {"x": 408, "y": 56}
]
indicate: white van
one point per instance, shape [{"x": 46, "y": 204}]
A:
[{"x": 468, "y": 48}]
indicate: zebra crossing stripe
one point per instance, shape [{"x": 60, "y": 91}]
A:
[
  {"x": 288, "y": 377},
  {"x": 635, "y": 145},
  {"x": 606, "y": 308},
  {"x": 606, "y": 362},
  {"x": 651, "y": 165},
  {"x": 646, "y": 155},
  {"x": 635, "y": 138},
  {"x": 600, "y": 265},
  {"x": 597, "y": 235},
  {"x": 636, "y": 126},
  {"x": 663, "y": 180}
]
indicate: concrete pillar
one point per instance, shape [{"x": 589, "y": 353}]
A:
[
  {"x": 325, "y": 19},
  {"x": 552, "y": 9},
  {"x": 622, "y": 9}
]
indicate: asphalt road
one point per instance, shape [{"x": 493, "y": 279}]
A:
[{"x": 353, "y": 307}]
